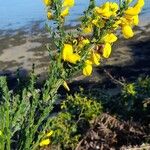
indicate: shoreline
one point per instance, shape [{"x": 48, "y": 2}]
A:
[{"x": 25, "y": 47}]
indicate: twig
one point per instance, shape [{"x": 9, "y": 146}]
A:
[
  {"x": 141, "y": 148},
  {"x": 113, "y": 79},
  {"x": 77, "y": 148}
]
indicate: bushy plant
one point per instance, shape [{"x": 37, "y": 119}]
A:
[
  {"x": 25, "y": 114},
  {"x": 70, "y": 124},
  {"x": 136, "y": 99}
]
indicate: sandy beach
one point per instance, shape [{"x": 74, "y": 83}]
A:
[{"x": 20, "y": 49}]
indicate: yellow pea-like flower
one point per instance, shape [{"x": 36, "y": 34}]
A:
[
  {"x": 110, "y": 38},
  {"x": 130, "y": 20},
  {"x": 135, "y": 20},
  {"x": 136, "y": 9},
  {"x": 68, "y": 55},
  {"x": 87, "y": 70},
  {"x": 47, "y": 2},
  {"x": 114, "y": 7},
  {"x": 82, "y": 43},
  {"x": 49, "y": 133},
  {"x": 45, "y": 142},
  {"x": 106, "y": 50},
  {"x": 0, "y": 133},
  {"x": 104, "y": 11},
  {"x": 49, "y": 15},
  {"x": 68, "y": 3},
  {"x": 116, "y": 24},
  {"x": 73, "y": 58},
  {"x": 67, "y": 50},
  {"x": 88, "y": 62},
  {"x": 95, "y": 58},
  {"x": 66, "y": 86},
  {"x": 85, "y": 41},
  {"x": 88, "y": 29},
  {"x": 127, "y": 32},
  {"x": 140, "y": 3},
  {"x": 107, "y": 10},
  {"x": 98, "y": 22},
  {"x": 65, "y": 12},
  {"x": 133, "y": 11}
]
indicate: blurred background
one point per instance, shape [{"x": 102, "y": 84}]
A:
[
  {"x": 23, "y": 38},
  {"x": 18, "y": 13}
]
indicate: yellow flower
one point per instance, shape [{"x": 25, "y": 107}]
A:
[
  {"x": 73, "y": 58},
  {"x": 110, "y": 38},
  {"x": 49, "y": 15},
  {"x": 82, "y": 43},
  {"x": 68, "y": 3},
  {"x": 127, "y": 32},
  {"x": 131, "y": 89},
  {"x": 133, "y": 11},
  {"x": 130, "y": 20},
  {"x": 106, "y": 50},
  {"x": 107, "y": 10},
  {"x": 66, "y": 86},
  {"x": 67, "y": 50},
  {"x": 47, "y": 2},
  {"x": 135, "y": 20},
  {"x": 0, "y": 133},
  {"x": 98, "y": 22},
  {"x": 88, "y": 29},
  {"x": 45, "y": 142},
  {"x": 140, "y": 3},
  {"x": 65, "y": 12},
  {"x": 116, "y": 24},
  {"x": 95, "y": 58},
  {"x": 49, "y": 133},
  {"x": 114, "y": 7},
  {"x": 87, "y": 70},
  {"x": 68, "y": 55}
]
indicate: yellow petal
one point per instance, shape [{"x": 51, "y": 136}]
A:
[
  {"x": 0, "y": 132},
  {"x": 114, "y": 7},
  {"x": 67, "y": 50},
  {"x": 140, "y": 3},
  {"x": 83, "y": 42},
  {"x": 73, "y": 58},
  {"x": 47, "y": 2},
  {"x": 135, "y": 20},
  {"x": 133, "y": 11},
  {"x": 65, "y": 12},
  {"x": 116, "y": 24},
  {"x": 45, "y": 142},
  {"x": 88, "y": 29},
  {"x": 49, "y": 15},
  {"x": 68, "y": 3},
  {"x": 88, "y": 62},
  {"x": 110, "y": 38},
  {"x": 127, "y": 32},
  {"x": 87, "y": 70},
  {"x": 95, "y": 58},
  {"x": 107, "y": 50},
  {"x": 66, "y": 86},
  {"x": 49, "y": 133}
]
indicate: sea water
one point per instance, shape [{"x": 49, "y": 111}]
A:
[{"x": 15, "y": 14}]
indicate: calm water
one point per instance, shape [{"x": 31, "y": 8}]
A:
[{"x": 15, "y": 14}]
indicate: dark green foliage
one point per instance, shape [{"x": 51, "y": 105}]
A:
[
  {"x": 136, "y": 99},
  {"x": 70, "y": 124}
]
